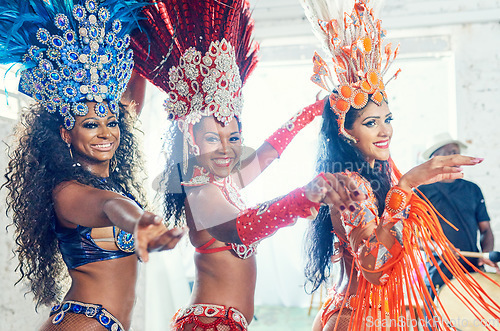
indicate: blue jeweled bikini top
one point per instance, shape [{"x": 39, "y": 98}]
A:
[{"x": 78, "y": 248}]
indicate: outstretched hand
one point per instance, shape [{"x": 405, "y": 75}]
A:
[
  {"x": 334, "y": 190},
  {"x": 437, "y": 169},
  {"x": 151, "y": 235}
]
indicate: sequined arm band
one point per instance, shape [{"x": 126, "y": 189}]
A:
[
  {"x": 284, "y": 135},
  {"x": 264, "y": 220}
]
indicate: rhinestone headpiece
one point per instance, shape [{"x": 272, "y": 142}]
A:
[
  {"x": 204, "y": 85},
  {"x": 78, "y": 58},
  {"x": 355, "y": 43}
]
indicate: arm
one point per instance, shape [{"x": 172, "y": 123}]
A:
[
  {"x": 211, "y": 211},
  {"x": 274, "y": 146},
  {"x": 78, "y": 204},
  {"x": 133, "y": 97},
  {"x": 378, "y": 242},
  {"x": 487, "y": 240}
]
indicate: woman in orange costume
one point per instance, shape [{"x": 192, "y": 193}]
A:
[{"x": 374, "y": 245}]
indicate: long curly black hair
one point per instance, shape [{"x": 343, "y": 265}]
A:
[
  {"x": 174, "y": 197},
  {"x": 336, "y": 154},
  {"x": 38, "y": 163}
]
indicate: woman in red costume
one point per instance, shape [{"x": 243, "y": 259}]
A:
[
  {"x": 200, "y": 53},
  {"x": 373, "y": 247}
]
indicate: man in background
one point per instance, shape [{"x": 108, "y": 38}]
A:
[{"x": 461, "y": 202}]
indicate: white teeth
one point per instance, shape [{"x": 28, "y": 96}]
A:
[
  {"x": 103, "y": 146},
  {"x": 222, "y": 161},
  {"x": 385, "y": 143}
]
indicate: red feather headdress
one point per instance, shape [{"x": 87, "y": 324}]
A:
[{"x": 200, "y": 53}]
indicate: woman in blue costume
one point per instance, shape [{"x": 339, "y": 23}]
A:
[{"x": 71, "y": 178}]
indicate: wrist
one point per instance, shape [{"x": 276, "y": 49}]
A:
[{"x": 397, "y": 199}]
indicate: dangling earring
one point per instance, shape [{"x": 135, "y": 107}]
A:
[
  {"x": 70, "y": 152},
  {"x": 75, "y": 164},
  {"x": 112, "y": 164}
]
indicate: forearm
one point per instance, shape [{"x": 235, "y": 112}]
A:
[
  {"x": 487, "y": 241},
  {"x": 257, "y": 223},
  {"x": 123, "y": 213},
  {"x": 280, "y": 139},
  {"x": 378, "y": 244}
]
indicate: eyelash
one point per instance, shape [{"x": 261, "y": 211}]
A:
[
  {"x": 93, "y": 125},
  {"x": 372, "y": 123},
  {"x": 214, "y": 139}
]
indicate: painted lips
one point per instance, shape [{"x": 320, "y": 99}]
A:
[
  {"x": 382, "y": 144},
  {"x": 222, "y": 162}
]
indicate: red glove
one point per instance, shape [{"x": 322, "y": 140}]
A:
[{"x": 284, "y": 135}]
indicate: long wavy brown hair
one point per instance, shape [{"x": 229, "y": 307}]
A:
[{"x": 38, "y": 163}]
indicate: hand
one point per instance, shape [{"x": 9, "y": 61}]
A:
[
  {"x": 335, "y": 190},
  {"x": 151, "y": 235},
  {"x": 492, "y": 264},
  {"x": 437, "y": 169}
]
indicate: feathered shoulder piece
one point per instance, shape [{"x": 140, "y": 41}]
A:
[
  {"x": 353, "y": 36},
  {"x": 200, "y": 52},
  {"x": 72, "y": 51}
]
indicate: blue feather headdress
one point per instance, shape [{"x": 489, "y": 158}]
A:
[{"x": 72, "y": 51}]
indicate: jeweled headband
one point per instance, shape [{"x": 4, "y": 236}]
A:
[
  {"x": 355, "y": 43},
  {"x": 71, "y": 51}
]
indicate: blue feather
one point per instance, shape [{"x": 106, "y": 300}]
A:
[{"x": 20, "y": 21}]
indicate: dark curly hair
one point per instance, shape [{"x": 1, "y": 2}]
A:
[
  {"x": 336, "y": 154},
  {"x": 38, "y": 163}
]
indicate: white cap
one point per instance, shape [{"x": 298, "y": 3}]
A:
[{"x": 439, "y": 141}]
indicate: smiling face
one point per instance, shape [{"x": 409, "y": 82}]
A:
[
  {"x": 220, "y": 146},
  {"x": 373, "y": 132},
  {"x": 93, "y": 140}
]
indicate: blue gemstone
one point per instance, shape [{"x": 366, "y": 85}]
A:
[
  {"x": 51, "y": 88},
  {"x": 50, "y": 107},
  {"x": 124, "y": 66},
  {"x": 73, "y": 56},
  {"x": 56, "y": 100},
  {"x": 91, "y": 5},
  {"x": 113, "y": 70},
  {"x": 65, "y": 306},
  {"x": 116, "y": 25},
  {"x": 112, "y": 106},
  {"x": 120, "y": 56},
  {"x": 77, "y": 308},
  {"x": 68, "y": 123},
  {"x": 61, "y": 21},
  {"x": 63, "y": 111},
  {"x": 66, "y": 72},
  {"x": 58, "y": 317},
  {"x": 130, "y": 55},
  {"x": 56, "y": 307},
  {"x": 101, "y": 109},
  {"x": 120, "y": 75},
  {"x": 70, "y": 36},
  {"x": 104, "y": 319},
  {"x": 70, "y": 91},
  {"x": 119, "y": 44},
  {"x": 57, "y": 41},
  {"x": 94, "y": 32},
  {"x": 39, "y": 86},
  {"x": 104, "y": 75},
  {"x": 38, "y": 96},
  {"x": 79, "y": 12},
  {"x": 43, "y": 36},
  {"x": 55, "y": 76},
  {"x": 110, "y": 38},
  {"x": 94, "y": 58},
  {"x": 80, "y": 109},
  {"x": 95, "y": 89}
]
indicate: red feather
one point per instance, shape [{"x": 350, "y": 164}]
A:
[{"x": 174, "y": 26}]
